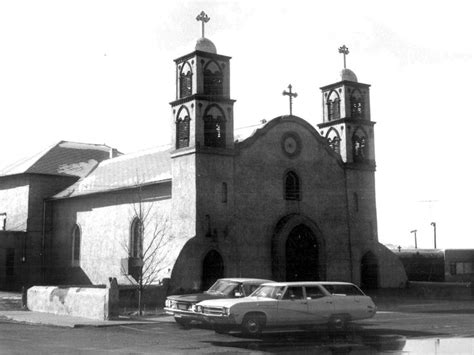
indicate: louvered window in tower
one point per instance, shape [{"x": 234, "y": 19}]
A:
[
  {"x": 360, "y": 146},
  {"x": 185, "y": 81},
  {"x": 214, "y": 127},
  {"x": 357, "y": 104},
  {"x": 334, "y": 140},
  {"x": 213, "y": 79},
  {"x": 182, "y": 128},
  {"x": 334, "y": 106}
]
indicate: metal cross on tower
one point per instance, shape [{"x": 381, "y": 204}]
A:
[
  {"x": 204, "y": 19},
  {"x": 291, "y": 95},
  {"x": 345, "y": 51}
]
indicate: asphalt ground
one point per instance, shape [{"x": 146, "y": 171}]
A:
[{"x": 408, "y": 325}]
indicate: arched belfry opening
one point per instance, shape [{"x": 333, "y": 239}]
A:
[
  {"x": 213, "y": 79},
  {"x": 212, "y": 269},
  {"x": 369, "y": 271},
  {"x": 214, "y": 127},
  {"x": 302, "y": 255},
  {"x": 298, "y": 250},
  {"x": 360, "y": 145}
]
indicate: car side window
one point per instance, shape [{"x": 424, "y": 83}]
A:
[
  {"x": 314, "y": 292},
  {"x": 293, "y": 292},
  {"x": 238, "y": 291},
  {"x": 249, "y": 288}
]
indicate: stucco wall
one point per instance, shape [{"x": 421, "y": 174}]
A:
[
  {"x": 105, "y": 222},
  {"x": 14, "y": 195},
  {"x": 95, "y": 303},
  {"x": 260, "y": 203}
]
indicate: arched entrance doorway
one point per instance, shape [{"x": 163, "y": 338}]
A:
[
  {"x": 369, "y": 271},
  {"x": 302, "y": 255},
  {"x": 212, "y": 269}
]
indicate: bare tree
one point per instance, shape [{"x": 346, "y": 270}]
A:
[{"x": 146, "y": 247}]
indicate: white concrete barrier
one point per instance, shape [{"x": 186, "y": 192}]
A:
[{"x": 99, "y": 303}]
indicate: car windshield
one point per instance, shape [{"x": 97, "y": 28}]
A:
[
  {"x": 224, "y": 287},
  {"x": 274, "y": 292}
]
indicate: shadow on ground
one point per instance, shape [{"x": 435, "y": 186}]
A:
[{"x": 356, "y": 340}]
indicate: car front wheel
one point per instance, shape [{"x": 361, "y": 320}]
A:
[
  {"x": 338, "y": 323},
  {"x": 253, "y": 324}
]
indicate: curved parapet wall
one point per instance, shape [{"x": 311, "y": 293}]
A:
[{"x": 99, "y": 303}]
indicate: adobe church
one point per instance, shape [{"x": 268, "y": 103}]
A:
[{"x": 288, "y": 201}]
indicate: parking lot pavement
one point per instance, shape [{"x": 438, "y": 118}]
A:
[
  {"x": 76, "y": 322},
  {"x": 419, "y": 308}
]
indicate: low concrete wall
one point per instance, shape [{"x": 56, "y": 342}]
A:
[
  {"x": 442, "y": 290},
  {"x": 99, "y": 303},
  {"x": 153, "y": 296}
]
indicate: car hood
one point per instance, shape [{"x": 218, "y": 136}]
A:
[
  {"x": 196, "y": 297},
  {"x": 233, "y": 301}
]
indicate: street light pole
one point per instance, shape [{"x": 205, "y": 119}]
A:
[
  {"x": 414, "y": 232},
  {"x": 434, "y": 231}
]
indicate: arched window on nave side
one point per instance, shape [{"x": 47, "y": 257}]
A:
[
  {"x": 136, "y": 238},
  {"x": 76, "y": 245},
  {"x": 292, "y": 186}
]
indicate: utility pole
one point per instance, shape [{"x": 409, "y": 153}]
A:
[
  {"x": 414, "y": 232},
  {"x": 434, "y": 231}
]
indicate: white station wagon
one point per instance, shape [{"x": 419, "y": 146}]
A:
[{"x": 289, "y": 304}]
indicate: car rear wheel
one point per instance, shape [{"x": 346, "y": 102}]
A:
[
  {"x": 253, "y": 324},
  {"x": 182, "y": 322}
]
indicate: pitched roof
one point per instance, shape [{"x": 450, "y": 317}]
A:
[
  {"x": 126, "y": 171},
  {"x": 64, "y": 159}
]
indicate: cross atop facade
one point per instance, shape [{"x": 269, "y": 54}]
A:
[
  {"x": 203, "y": 18},
  {"x": 345, "y": 51},
  {"x": 291, "y": 95}
]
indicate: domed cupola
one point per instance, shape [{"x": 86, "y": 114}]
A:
[
  {"x": 205, "y": 45},
  {"x": 348, "y": 75}
]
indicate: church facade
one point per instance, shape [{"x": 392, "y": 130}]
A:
[{"x": 288, "y": 202}]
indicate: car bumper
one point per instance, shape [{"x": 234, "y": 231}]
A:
[
  {"x": 219, "y": 320},
  {"x": 178, "y": 313}
]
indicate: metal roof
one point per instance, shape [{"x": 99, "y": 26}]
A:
[
  {"x": 126, "y": 171},
  {"x": 63, "y": 159}
]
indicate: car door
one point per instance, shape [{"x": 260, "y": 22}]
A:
[
  {"x": 293, "y": 307},
  {"x": 320, "y": 304}
]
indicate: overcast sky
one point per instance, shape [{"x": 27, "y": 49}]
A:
[{"x": 103, "y": 72}]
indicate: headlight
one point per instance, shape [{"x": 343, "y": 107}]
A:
[
  {"x": 225, "y": 311},
  {"x": 198, "y": 309},
  {"x": 168, "y": 303}
]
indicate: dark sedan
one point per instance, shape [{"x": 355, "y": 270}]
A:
[{"x": 182, "y": 306}]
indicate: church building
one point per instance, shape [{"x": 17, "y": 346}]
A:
[{"x": 288, "y": 201}]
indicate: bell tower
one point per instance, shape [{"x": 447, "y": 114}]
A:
[
  {"x": 202, "y": 151},
  {"x": 347, "y": 124},
  {"x": 203, "y": 111},
  {"x": 349, "y": 130}
]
